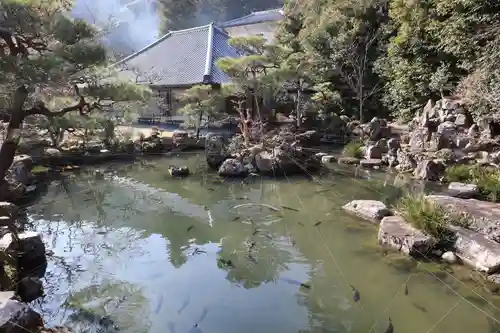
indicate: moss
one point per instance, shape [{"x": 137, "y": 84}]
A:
[
  {"x": 37, "y": 169},
  {"x": 353, "y": 150}
]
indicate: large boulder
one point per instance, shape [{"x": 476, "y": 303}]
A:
[
  {"x": 30, "y": 249},
  {"x": 215, "y": 150},
  {"x": 395, "y": 233},
  {"x": 483, "y": 216},
  {"x": 286, "y": 159},
  {"x": 418, "y": 138},
  {"x": 8, "y": 209},
  {"x": 17, "y": 317},
  {"x": 461, "y": 190},
  {"x": 476, "y": 250},
  {"x": 233, "y": 168},
  {"x": 377, "y": 129},
  {"x": 370, "y": 210},
  {"x": 20, "y": 170},
  {"x": 429, "y": 170}
]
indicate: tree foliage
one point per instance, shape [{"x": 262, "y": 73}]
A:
[
  {"x": 190, "y": 13},
  {"x": 386, "y": 56},
  {"x": 47, "y": 56},
  {"x": 203, "y": 105}
]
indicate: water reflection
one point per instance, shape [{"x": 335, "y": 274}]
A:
[{"x": 140, "y": 252}]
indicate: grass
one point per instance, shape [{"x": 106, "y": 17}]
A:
[
  {"x": 487, "y": 180},
  {"x": 353, "y": 149},
  {"x": 430, "y": 217}
]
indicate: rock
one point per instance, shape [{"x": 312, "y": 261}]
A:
[
  {"x": 405, "y": 160},
  {"x": 370, "y": 210},
  {"x": 287, "y": 158},
  {"x": 393, "y": 145},
  {"x": 461, "y": 190},
  {"x": 476, "y": 250},
  {"x": 20, "y": 170},
  {"x": 8, "y": 209},
  {"x": 31, "y": 247},
  {"x": 29, "y": 289},
  {"x": 52, "y": 153},
  {"x": 232, "y": 168},
  {"x": 328, "y": 159},
  {"x": 483, "y": 215},
  {"x": 373, "y": 152},
  {"x": 473, "y": 131},
  {"x": 320, "y": 155},
  {"x": 449, "y": 257},
  {"x": 429, "y": 170},
  {"x": 11, "y": 190},
  {"x": 349, "y": 160},
  {"x": 377, "y": 129},
  {"x": 481, "y": 145},
  {"x": 395, "y": 233},
  {"x": 371, "y": 163},
  {"x": 419, "y": 137},
  {"x": 182, "y": 171},
  {"x": 17, "y": 317},
  {"x": 215, "y": 150},
  {"x": 264, "y": 162}
]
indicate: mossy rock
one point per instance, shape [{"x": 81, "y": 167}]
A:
[
  {"x": 39, "y": 169},
  {"x": 401, "y": 262},
  {"x": 349, "y": 161}
]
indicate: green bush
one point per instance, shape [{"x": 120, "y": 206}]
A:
[
  {"x": 459, "y": 173},
  {"x": 488, "y": 182},
  {"x": 353, "y": 149}
]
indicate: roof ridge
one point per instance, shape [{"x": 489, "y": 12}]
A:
[
  {"x": 252, "y": 14},
  {"x": 209, "y": 55},
  {"x": 159, "y": 40}
]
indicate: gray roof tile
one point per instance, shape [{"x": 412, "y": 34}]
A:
[
  {"x": 255, "y": 17},
  {"x": 183, "y": 57}
]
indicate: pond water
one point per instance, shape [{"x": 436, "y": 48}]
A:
[{"x": 138, "y": 251}]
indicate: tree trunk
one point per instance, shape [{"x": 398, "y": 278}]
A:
[
  {"x": 9, "y": 145},
  {"x": 200, "y": 117},
  {"x": 299, "y": 111},
  {"x": 361, "y": 100}
]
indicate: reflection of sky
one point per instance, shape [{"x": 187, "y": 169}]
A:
[{"x": 144, "y": 264}]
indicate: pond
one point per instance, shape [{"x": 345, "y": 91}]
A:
[{"x": 137, "y": 251}]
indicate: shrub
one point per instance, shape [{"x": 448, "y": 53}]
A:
[
  {"x": 459, "y": 173},
  {"x": 488, "y": 182},
  {"x": 353, "y": 149}
]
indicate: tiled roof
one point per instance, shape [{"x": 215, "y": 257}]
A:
[
  {"x": 180, "y": 58},
  {"x": 255, "y": 17}
]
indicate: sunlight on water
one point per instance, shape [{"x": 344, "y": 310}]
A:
[{"x": 138, "y": 251}]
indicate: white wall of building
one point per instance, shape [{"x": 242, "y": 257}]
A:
[{"x": 267, "y": 29}]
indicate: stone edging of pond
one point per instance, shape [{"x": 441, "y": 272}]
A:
[
  {"x": 23, "y": 263},
  {"x": 476, "y": 245}
]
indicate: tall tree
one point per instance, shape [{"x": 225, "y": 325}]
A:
[
  {"x": 45, "y": 55},
  {"x": 342, "y": 39},
  {"x": 432, "y": 41}
]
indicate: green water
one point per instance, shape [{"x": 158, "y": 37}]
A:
[{"x": 122, "y": 250}]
